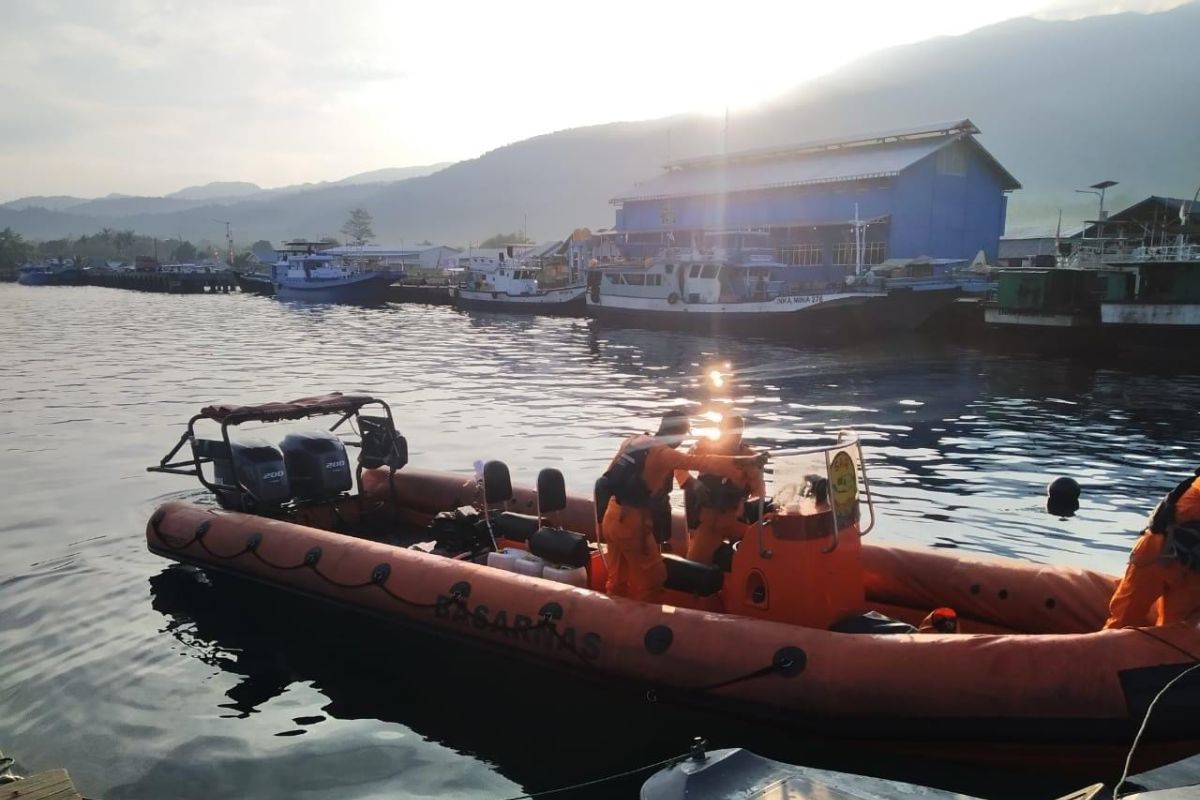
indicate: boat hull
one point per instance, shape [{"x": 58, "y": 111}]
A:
[
  {"x": 823, "y": 317},
  {"x": 365, "y": 289},
  {"x": 66, "y": 277},
  {"x": 1151, "y": 323},
  {"x": 559, "y": 302},
  {"x": 1073, "y": 696},
  {"x": 26, "y": 278}
]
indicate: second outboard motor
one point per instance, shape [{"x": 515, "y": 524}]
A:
[
  {"x": 255, "y": 471},
  {"x": 317, "y": 465}
]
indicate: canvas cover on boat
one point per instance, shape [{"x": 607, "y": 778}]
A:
[{"x": 332, "y": 403}]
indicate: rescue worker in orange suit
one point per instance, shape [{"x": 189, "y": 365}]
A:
[
  {"x": 637, "y": 491},
  {"x": 1163, "y": 575},
  {"x": 715, "y": 502}
]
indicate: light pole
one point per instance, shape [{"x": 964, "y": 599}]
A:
[{"x": 1098, "y": 189}]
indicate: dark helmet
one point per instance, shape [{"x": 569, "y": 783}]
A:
[{"x": 674, "y": 426}]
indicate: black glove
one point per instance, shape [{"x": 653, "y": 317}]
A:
[{"x": 750, "y": 509}]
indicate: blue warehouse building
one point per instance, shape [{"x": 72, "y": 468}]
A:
[{"x": 927, "y": 191}]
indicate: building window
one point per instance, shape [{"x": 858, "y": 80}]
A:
[
  {"x": 952, "y": 160},
  {"x": 666, "y": 213},
  {"x": 669, "y": 268},
  {"x": 802, "y": 255},
  {"x": 873, "y": 253}
]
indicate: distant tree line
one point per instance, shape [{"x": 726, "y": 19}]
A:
[
  {"x": 501, "y": 239},
  {"x": 107, "y": 245},
  {"x": 14, "y": 251}
]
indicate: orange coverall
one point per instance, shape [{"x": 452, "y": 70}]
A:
[
  {"x": 635, "y": 565},
  {"x": 1154, "y": 581},
  {"x": 716, "y": 526}
]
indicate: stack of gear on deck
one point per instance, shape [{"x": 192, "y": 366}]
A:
[{"x": 462, "y": 530}]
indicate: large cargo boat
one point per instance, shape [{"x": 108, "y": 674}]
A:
[{"x": 734, "y": 283}]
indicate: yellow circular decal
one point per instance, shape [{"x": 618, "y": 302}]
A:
[{"x": 843, "y": 483}]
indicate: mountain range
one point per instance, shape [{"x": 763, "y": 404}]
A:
[{"x": 1062, "y": 104}]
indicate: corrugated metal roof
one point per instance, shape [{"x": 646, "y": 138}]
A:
[
  {"x": 860, "y": 163},
  {"x": 804, "y": 166},
  {"x": 933, "y": 129}
]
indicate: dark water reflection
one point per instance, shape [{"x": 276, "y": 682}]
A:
[{"x": 147, "y": 682}]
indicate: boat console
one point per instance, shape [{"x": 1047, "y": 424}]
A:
[{"x": 802, "y": 561}]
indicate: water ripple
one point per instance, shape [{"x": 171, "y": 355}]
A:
[{"x": 122, "y": 669}]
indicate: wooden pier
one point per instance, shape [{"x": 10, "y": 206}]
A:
[
  {"x": 169, "y": 282},
  {"x": 54, "y": 784}
]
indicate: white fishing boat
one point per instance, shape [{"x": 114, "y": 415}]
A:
[
  {"x": 500, "y": 283},
  {"x": 733, "y": 282}
]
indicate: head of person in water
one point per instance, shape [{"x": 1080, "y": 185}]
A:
[
  {"x": 674, "y": 428},
  {"x": 732, "y": 427}
]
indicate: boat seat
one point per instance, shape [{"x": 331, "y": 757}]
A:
[
  {"x": 515, "y": 527},
  {"x": 692, "y": 576},
  {"x": 723, "y": 556}
]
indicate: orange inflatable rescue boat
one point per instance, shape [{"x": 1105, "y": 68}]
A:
[{"x": 801, "y": 623}]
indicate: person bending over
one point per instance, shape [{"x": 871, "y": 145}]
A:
[{"x": 639, "y": 479}]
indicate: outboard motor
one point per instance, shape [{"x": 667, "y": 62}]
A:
[
  {"x": 317, "y": 465},
  {"x": 253, "y": 470}
]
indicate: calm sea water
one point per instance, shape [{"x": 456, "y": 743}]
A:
[{"x": 148, "y": 682}]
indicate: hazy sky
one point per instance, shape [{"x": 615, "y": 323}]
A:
[{"x": 144, "y": 97}]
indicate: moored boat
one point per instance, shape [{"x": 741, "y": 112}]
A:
[
  {"x": 1048, "y": 308},
  {"x": 504, "y": 284},
  {"x": 52, "y": 272},
  {"x": 779, "y": 630},
  {"x": 733, "y": 284},
  {"x": 307, "y": 275},
  {"x": 1153, "y": 295}
]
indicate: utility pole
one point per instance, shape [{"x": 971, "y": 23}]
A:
[{"x": 228, "y": 238}]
